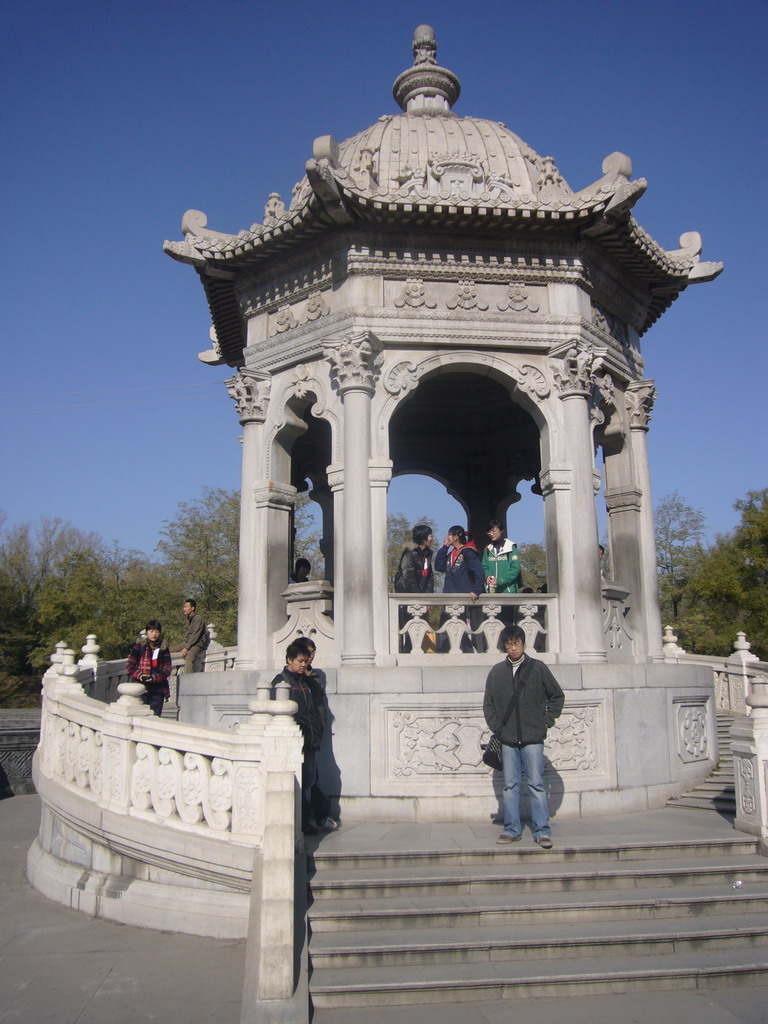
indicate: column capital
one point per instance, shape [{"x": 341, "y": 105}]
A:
[
  {"x": 272, "y": 494},
  {"x": 640, "y": 398},
  {"x": 574, "y": 368},
  {"x": 555, "y": 478},
  {"x": 355, "y": 362},
  {"x": 629, "y": 499},
  {"x": 249, "y": 390}
]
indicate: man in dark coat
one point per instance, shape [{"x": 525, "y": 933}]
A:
[{"x": 522, "y": 700}]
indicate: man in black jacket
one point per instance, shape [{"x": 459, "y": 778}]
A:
[{"x": 522, "y": 700}]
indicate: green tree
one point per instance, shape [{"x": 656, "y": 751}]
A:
[
  {"x": 533, "y": 563},
  {"x": 679, "y": 529},
  {"x": 200, "y": 550},
  {"x": 727, "y": 590},
  {"x": 306, "y": 542}
]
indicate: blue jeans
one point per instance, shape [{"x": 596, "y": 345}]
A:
[{"x": 528, "y": 762}]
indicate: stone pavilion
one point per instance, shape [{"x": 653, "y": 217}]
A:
[{"x": 436, "y": 299}]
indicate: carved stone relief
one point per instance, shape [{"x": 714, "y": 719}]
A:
[
  {"x": 355, "y": 361},
  {"x": 466, "y": 296},
  {"x": 745, "y": 771},
  {"x": 693, "y": 743},
  {"x": 640, "y": 397},
  {"x": 421, "y": 747},
  {"x": 518, "y": 299},
  {"x": 415, "y": 295},
  {"x": 249, "y": 391}
]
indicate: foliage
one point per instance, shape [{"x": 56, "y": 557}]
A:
[
  {"x": 727, "y": 588},
  {"x": 306, "y": 542},
  {"x": 200, "y": 548},
  {"x": 533, "y": 564},
  {"x": 679, "y": 530}
]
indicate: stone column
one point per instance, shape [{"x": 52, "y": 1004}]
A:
[
  {"x": 640, "y": 397},
  {"x": 323, "y": 495},
  {"x": 579, "y": 569},
  {"x": 381, "y": 474},
  {"x": 250, "y": 392},
  {"x": 355, "y": 361}
]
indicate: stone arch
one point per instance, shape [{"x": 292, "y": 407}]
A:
[{"x": 474, "y": 422}]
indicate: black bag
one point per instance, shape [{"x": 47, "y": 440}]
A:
[
  {"x": 492, "y": 749},
  {"x": 492, "y": 753}
]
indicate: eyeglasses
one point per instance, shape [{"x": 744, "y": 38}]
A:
[{"x": 514, "y": 643}]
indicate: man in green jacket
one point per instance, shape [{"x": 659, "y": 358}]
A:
[
  {"x": 501, "y": 562},
  {"x": 522, "y": 700}
]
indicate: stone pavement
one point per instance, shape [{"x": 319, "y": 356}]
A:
[{"x": 58, "y": 966}]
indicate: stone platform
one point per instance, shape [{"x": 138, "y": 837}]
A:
[{"x": 58, "y": 966}]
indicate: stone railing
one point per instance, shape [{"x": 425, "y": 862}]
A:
[
  {"x": 120, "y": 786},
  {"x": 19, "y": 737},
  {"x": 749, "y": 742},
  {"x": 733, "y": 675},
  {"x": 425, "y": 624},
  {"x": 100, "y": 679}
]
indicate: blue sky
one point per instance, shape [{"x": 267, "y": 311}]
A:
[{"x": 118, "y": 117}]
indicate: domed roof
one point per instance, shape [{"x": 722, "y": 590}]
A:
[
  {"x": 428, "y": 152},
  {"x": 431, "y": 156},
  {"x": 426, "y": 167}
]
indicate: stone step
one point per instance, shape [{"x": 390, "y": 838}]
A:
[
  {"x": 725, "y": 803},
  {"x": 489, "y": 856},
  {"x": 459, "y": 945},
  {"x": 532, "y": 909},
  {"x": 541, "y": 874},
  {"x": 385, "y": 986}
]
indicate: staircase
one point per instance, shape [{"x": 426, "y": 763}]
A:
[
  {"x": 718, "y": 790},
  {"x": 595, "y": 916}
]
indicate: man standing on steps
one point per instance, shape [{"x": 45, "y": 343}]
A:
[{"x": 522, "y": 700}]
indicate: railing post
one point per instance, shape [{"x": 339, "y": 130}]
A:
[
  {"x": 749, "y": 741},
  {"x": 274, "y": 989}
]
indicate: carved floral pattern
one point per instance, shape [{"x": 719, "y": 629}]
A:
[
  {"x": 401, "y": 378},
  {"x": 574, "y": 371},
  {"x": 745, "y": 771},
  {"x": 355, "y": 362},
  {"x": 250, "y": 393},
  {"x": 693, "y": 736},
  {"x": 284, "y": 320},
  {"x": 466, "y": 296},
  {"x": 518, "y": 299},
  {"x": 572, "y": 742},
  {"x": 415, "y": 295},
  {"x": 640, "y": 397},
  {"x": 315, "y": 308},
  {"x": 190, "y": 786}
]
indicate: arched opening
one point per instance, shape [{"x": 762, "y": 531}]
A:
[
  {"x": 312, "y": 522},
  {"x": 464, "y": 451}
]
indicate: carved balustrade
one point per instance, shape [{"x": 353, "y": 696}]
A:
[
  {"x": 125, "y": 759},
  {"x": 427, "y": 624},
  {"x": 734, "y": 676}
]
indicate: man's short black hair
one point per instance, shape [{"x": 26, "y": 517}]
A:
[
  {"x": 420, "y": 533},
  {"x": 495, "y": 522},
  {"x": 302, "y": 562},
  {"x": 306, "y": 643},
  {"x": 192, "y": 601},
  {"x": 153, "y": 624},
  {"x": 294, "y": 649},
  {"x": 512, "y": 633}
]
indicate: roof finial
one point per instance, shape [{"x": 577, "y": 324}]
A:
[
  {"x": 426, "y": 87},
  {"x": 424, "y": 46}
]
